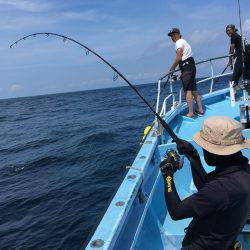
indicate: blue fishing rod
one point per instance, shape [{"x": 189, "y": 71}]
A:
[{"x": 175, "y": 138}]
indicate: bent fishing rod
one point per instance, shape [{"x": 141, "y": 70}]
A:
[
  {"x": 171, "y": 133},
  {"x": 175, "y": 138}
]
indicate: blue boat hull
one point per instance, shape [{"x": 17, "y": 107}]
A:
[{"x": 137, "y": 217}]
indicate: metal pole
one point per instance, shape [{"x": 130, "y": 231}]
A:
[
  {"x": 245, "y": 93},
  {"x": 158, "y": 96},
  {"x": 242, "y": 44},
  {"x": 212, "y": 81}
]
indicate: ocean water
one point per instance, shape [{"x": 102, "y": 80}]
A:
[{"x": 62, "y": 157}]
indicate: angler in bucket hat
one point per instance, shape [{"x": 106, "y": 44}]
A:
[{"x": 220, "y": 194}]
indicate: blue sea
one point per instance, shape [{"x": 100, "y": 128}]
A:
[{"x": 62, "y": 157}]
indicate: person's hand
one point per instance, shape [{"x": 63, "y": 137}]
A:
[
  {"x": 187, "y": 149},
  {"x": 171, "y": 163},
  {"x": 171, "y": 72},
  {"x": 230, "y": 63},
  {"x": 234, "y": 84},
  {"x": 166, "y": 168},
  {"x": 180, "y": 75}
]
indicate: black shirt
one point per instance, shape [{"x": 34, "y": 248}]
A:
[
  {"x": 236, "y": 40},
  {"x": 222, "y": 207}
]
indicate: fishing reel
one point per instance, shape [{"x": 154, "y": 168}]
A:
[
  {"x": 244, "y": 107},
  {"x": 173, "y": 160},
  {"x": 173, "y": 78},
  {"x": 246, "y": 86}
]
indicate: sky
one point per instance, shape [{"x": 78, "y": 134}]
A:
[{"x": 131, "y": 35}]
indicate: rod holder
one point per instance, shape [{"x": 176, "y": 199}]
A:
[{"x": 244, "y": 115}]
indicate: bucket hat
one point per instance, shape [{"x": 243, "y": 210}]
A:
[{"x": 221, "y": 135}]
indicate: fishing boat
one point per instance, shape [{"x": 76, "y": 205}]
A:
[{"x": 137, "y": 217}]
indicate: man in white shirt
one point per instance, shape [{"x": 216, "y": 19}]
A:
[{"x": 188, "y": 71}]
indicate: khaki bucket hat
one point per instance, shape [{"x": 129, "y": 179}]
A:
[{"x": 221, "y": 135}]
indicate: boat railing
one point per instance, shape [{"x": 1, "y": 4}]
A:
[
  {"x": 164, "y": 105},
  {"x": 170, "y": 82}
]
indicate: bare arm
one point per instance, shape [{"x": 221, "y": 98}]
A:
[{"x": 178, "y": 57}]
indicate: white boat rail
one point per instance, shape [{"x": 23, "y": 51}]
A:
[{"x": 173, "y": 96}]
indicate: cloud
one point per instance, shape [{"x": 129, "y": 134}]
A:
[
  {"x": 246, "y": 26},
  {"x": 157, "y": 47},
  {"x": 144, "y": 75},
  {"x": 198, "y": 10},
  {"x": 204, "y": 36},
  {"x": 19, "y": 22},
  {"x": 28, "y": 21},
  {"x": 15, "y": 87},
  {"x": 89, "y": 15},
  {"x": 26, "y": 5}
]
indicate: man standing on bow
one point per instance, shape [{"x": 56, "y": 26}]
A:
[
  {"x": 235, "y": 51},
  {"x": 188, "y": 71}
]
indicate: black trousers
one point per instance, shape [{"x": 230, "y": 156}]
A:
[
  {"x": 237, "y": 73},
  {"x": 188, "y": 71}
]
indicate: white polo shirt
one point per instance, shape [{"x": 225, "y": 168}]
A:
[{"x": 187, "y": 51}]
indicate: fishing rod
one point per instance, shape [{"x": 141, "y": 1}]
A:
[
  {"x": 175, "y": 138},
  {"x": 171, "y": 133},
  {"x": 224, "y": 70},
  {"x": 197, "y": 63},
  {"x": 171, "y": 78},
  {"x": 221, "y": 74},
  {"x": 167, "y": 81}
]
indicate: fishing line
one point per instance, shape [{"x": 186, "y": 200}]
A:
[{"x": 116, "y": 74}]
